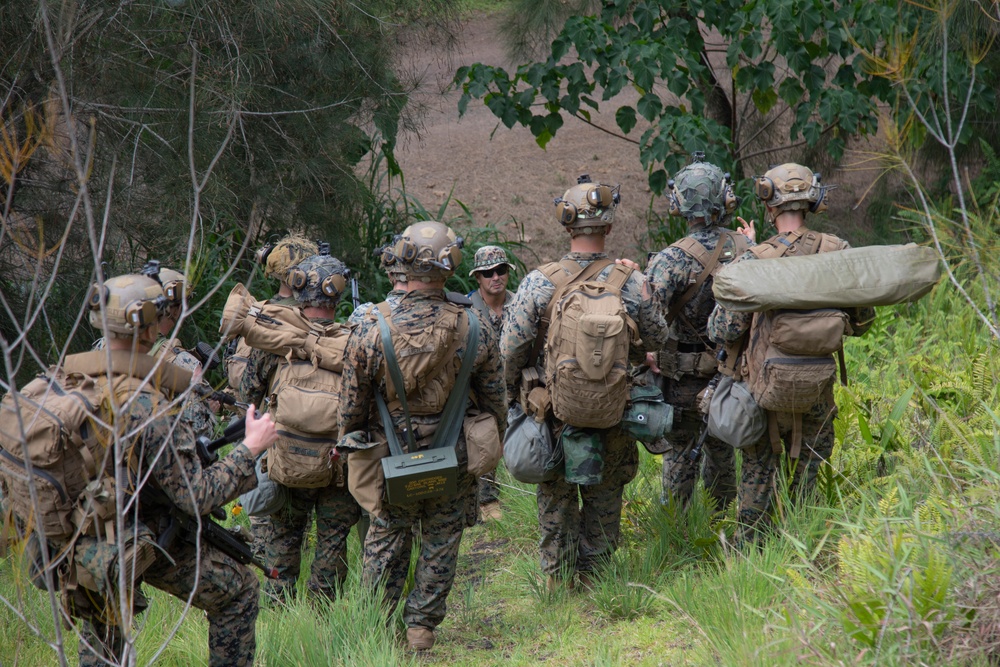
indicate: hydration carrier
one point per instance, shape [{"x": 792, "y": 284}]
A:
[
  {"x": 789, "y": 359},
  {"x": 587, "y": 344},
  {"x": 59, "y": 423}
]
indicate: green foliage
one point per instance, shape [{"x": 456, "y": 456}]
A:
[{"x": 659, "y": 49}]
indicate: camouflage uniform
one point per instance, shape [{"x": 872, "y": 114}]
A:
[
  {"x": 574, "y": 536},
  {"x": 260, "y": 526},
  {"x": 489, "y": 492},
  {"x": 440, "y": 521},
  {"x": 670, "y": 273},
  {"x": 760, "y": 463},
  {"x": 335, "y": 508},
  {"x": 226, "y": 590},
  {"x": 392, "y": 298}
]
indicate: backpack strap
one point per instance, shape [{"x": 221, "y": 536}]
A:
[
  {"x": 452, "y": 417},
  {"x": 123, "y": 362},
  {"x": 779, "y": 245},
  {"x": 396, "y": 376},
  {"x": 557, "y": 274},
  {"x": 708, "y": 263}
]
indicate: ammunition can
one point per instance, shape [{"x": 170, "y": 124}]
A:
[{"x": 429, "y": 473}]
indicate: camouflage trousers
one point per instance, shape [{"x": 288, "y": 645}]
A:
[
  {"x": 489, "y": 492},
  {"x": 680, "y": 471},
  {"x": 762, "y": 467},
  {"x": 439, "y": 523},
  {"x": 226, "y": 590},
  {"x": 336, "y": 512},
  {"x": 260, "y": 527},
  {"x": 581, "y": 524}
]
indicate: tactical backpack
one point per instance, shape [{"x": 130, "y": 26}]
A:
[
  {"x": 587, "y": 334},
  {"x": 675, "y": 361},
  {"x": 305, "y": 391},
  {"x": 789, "y": 358},
  {"x": 58, "y": 424}
]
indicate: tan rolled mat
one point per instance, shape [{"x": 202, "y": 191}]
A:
[{"x": 867, "y": 276}]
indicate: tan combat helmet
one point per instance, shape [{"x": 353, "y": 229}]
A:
[
  {"x": 174, "y": 283},
  {"x": 701, "y": 191},
  {"x": 791, "y": 187},
  {"x": 131, "y": 303},
  {"x": 588, "y": 207},
  {"x": 285, "y": 254},
  {"x": 387, "y": 262},
  {"x": 427, "y": 251},
  {"x": 319, "y": 280}
]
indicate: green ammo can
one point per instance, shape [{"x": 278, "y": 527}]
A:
[{"x": 428, "y": 473}]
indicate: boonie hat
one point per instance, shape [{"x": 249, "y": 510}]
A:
[{"x": 489, "y": 257}]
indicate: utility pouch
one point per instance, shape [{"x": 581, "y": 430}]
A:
[
  {"x": 648, "y": 417},
  {"x": 365, "y": 479},
  {"x": 734, "y": 417},
  {"x": 268, "y": 497},
  {"x": 584, "y": 452},
  {"x": 482, "y": 443},
  {"x": 529, "y": 452}
]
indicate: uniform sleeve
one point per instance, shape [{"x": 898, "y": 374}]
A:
[
  {"x": 520, "y": 327},
  {"x": 167, "y": 450},
  {"x": 488, "y": 380},
  {"x": 256, "y": 378},
  {"x": 653, "y": 329},
  {"x": 668, "y": 276},
  {"x": 356, "y": 385},
  {"x": 726, "y": 326}
]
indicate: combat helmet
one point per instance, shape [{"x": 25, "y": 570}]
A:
[
  {"x": 588, "y": 207},
  {"x": 174, "y": 283},
  {"x": 319, "y": 280},
  {"x": 277, "y": 258},
  {"x": 702, "y": 191},
  {"x": 131, "y": 303},
  {"x": 427, "y": 251},
  {"x": 791, "y": 187}
]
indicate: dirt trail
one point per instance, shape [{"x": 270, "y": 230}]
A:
[{"x": 509, "y": 178}]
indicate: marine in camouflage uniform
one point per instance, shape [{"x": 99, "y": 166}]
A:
[
  {"x": 277, "y": 258},
  {"x": 438, "y": 522},
  {"x": 335, "y": 509},
  {"x": 162, "y": 452},
  {"x": 701, "y": 193},
  {"x": 580, "y": 524},
  {"x": 793, "y": 192},
  {"x": 490, "y": 259}
]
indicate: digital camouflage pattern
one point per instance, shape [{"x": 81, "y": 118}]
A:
[
  {"x": 336, "y": 511},
  {"x": 439, "y": 521},
  {"x": 317, "y": 269},
  {"x": 670, "y": 272},
  {"x": 489, "y": 257},
  {"x": 227, "y": 591},
  {"x": 700, "y": 189},
  {"x": 760, "y": 465},
  {"x": 286, "y": 253},
  {"x": 392, "y": 298},
  {"x": 280, "y": 536},
  {"x": 487, "y": 314},
  {"x": 575, "y": 535}
]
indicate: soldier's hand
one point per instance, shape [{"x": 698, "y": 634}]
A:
[
  {"x": 651, "y": 362},
  {"x": 747, "y": 229},
  {"x": 261, "y": 432}
]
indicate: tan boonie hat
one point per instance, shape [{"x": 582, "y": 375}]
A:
[{"x": 488, "y": 257}]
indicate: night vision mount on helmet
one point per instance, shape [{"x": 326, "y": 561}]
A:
[
  {"x": 427, "y": 251},
  {"x": 130, "y": 303},
  {"x": 588, "y": 207},
  {"x": 790, "y": 186},
  {"x": 703, "y": 191}
]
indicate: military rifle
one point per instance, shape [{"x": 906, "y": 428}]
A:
[{"x": 355, "y": 297}]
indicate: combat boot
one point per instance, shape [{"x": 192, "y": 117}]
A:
[
  {"x": 552, "y": 583},
  {"x": 420, "y": 638}
]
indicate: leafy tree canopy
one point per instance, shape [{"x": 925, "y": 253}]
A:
[{"x": 740, "y": 80}]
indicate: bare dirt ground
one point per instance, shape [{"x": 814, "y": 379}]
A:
[{"x": 507, "y": 180}]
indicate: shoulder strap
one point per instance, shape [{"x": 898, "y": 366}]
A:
[
  {"x": 458, "y": 400},
  {"x": 123, "y": 362},
  {"x": 706, "y": 271},
  {"x": 777, "y": 246},
  {"x": 397, "y": 380}
]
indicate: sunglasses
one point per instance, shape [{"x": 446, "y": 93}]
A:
[{"x": 496, "y": 271}]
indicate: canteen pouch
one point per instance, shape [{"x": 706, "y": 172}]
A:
[
  {"x": 365, "y": 480},
  {"x": 268, "y": 497},
  {"x": 647, "y": 417},
  {"x": 482, "y": 443},
  {"x": 584, "y": 452},
  {"x": 734, "y": 417},
  {"x": 529, "y": 450}
]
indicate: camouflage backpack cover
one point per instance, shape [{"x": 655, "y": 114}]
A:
[{"x": 587, "y": 343}]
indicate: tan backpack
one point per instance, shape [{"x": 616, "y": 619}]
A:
[
  {"x": 789, "y": 358},
  {"x": 58, "y": 424},
  {"x": 587, "y": 344}
]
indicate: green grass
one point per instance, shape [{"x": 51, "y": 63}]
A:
[{"x": 894, "y": 560}]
